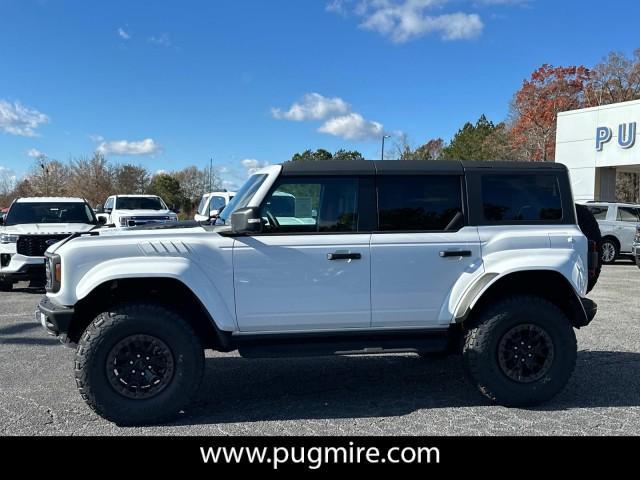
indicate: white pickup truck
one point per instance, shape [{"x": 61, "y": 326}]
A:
[{"x": 135, "y": 210}]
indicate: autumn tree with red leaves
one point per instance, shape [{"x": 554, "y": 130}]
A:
[{"x": 536, "y": 105}]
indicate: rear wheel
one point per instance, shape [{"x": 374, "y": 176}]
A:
[
  {"x": 521, "y": 351},
  {"x": 138, "y": 364},
  {"x": 609, "y": 251}
]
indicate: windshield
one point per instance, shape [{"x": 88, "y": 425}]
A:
[
  {"x": 203, "y": 205},
  {"x": 50, "y": 212},
  {"x": 242, "y": 198},
  {"x": 140, "y": 203}
]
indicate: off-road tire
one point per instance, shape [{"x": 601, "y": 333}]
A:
[
  {"x": 590, "y": 228},
  {"x": 123, "y": 321},
  {"x": 481, "y": 346}
]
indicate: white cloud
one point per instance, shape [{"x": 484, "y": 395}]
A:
[
  {"x": 312, "y": 107},
  {"x": 251, "y": 165},
  {"x": 404, "y": 20},
  {"x": 125, "y": 147},
  {"x": 162, "y": 40},
  {"x": 122, "y": 33},
  {"x": 35, "y": 153},
  {"x": 339, "y": 119},
  {"x": 352, "y": 126},
  {"x": 17, "y": 119}
]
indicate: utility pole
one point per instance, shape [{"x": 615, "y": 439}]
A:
[{"x": 210, "y": 174}]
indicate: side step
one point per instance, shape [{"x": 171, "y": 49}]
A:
[{"x": 353, "y": 343}]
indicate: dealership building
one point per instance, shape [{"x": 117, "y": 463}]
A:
[{"x": 595, "y": 144}]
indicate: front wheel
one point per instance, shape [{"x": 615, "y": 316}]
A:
[
  {"x": 609, "y": 251},
  {"x": 138, "y": 363},
  {"x": 520, "y": 351}
]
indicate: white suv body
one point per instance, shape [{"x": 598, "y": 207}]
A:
[
  {"x": 344, "y": 257},
  {"x": 617, "y": 223},
  {"x": 124, "y": 211},
  {"x": 31, "y": 226},
  {"x": 211, "y": 204}
]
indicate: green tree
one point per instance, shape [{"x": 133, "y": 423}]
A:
[
  {"x": 309, "y": 155},
  {"x": 469, "y": 142},
  {"x": 168, "y": 188},
  {"x": 347, "y": 155}
]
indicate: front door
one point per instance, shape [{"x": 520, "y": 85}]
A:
[{"x": 310, "y": 267}]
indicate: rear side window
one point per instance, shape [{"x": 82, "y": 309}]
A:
[
  {"x": 600, "y": 213},
  {"x": 628, "y": 214},
  {"x": 418, "y": 203},
  {"x": 521, "y": 198}
]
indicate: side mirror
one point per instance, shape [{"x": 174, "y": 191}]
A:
[
  {"x": 246, "y": 220},
  {"x": 102, "y": 221},
  {"x": 99, "y": 208},
  {"x": 1, "y": 220}
]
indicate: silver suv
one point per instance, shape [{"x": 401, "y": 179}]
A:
[{"x": 617, "y": 223}]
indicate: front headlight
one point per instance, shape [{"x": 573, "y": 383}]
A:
[
  {"x": 53, "y": 269},
  {"x": 8, "y": 238},
  {"x": 124, "y": 221}
]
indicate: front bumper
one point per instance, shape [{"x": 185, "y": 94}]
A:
[
  {"x": 24, "y": 272},
  {"x": 54, "y": 318}
]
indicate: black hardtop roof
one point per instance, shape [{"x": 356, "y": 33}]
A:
[{"x": 409, "y": 167}]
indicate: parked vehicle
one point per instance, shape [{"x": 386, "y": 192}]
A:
[
  {"x": 135, "y": 210},
  {"x": 618, "y": 226},
  {"x": 211, "y": 205},
  {"x": 485, "y": 260},
  {"x": 636, "y": 246},
  {"x": 30, "y": 227}
]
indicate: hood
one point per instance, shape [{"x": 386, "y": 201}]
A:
[{"x": 47, "y": 228}]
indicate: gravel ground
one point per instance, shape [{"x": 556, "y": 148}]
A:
[{"x": 364, "y": 395}]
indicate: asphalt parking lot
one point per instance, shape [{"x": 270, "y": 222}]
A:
[{"x": 365, "y": 395}]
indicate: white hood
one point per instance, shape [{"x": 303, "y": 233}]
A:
[{"x": 46, "y": 228}]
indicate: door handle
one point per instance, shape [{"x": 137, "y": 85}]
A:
[
  {"x": 343, "y": 256},
  {"x": 455, "y": 253}
]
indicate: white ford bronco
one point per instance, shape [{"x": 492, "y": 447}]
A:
[
  {"x": 484, "y": 260},
  {"x": 31, "y": 226}
]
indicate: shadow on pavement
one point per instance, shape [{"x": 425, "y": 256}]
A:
[{"x": 241, "y": 390}]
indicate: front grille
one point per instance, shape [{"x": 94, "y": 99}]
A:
[{"x": 36, "y": 245}]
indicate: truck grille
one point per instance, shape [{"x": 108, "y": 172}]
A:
[{"x": 35, "y": 245}]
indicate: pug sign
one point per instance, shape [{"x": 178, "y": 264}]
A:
[{"x": 626, "y": 136}]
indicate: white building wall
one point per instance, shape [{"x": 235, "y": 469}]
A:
[{"x": 576, "y": 146}]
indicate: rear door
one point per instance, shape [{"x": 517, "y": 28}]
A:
[
  {"x": 424, "y": 253},
  {"x": 627, "y": 221}
]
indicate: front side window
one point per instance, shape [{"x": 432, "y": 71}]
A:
[
  {"x": 49, "y": 212},
  {"x": 140, "y": 203},
  {"x": 521, "y": 198},
  {"x": 600, "y": 213},
  {"x": 109, "y": 203},
  {"x": 419, "y": 203},
  {"x": 202, "y": 205},
  {"x": 628, "y": 214},
  {"x": 314, "y": 205}
]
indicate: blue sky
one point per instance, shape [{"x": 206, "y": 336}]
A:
[{"x": 249, "y": 82}]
